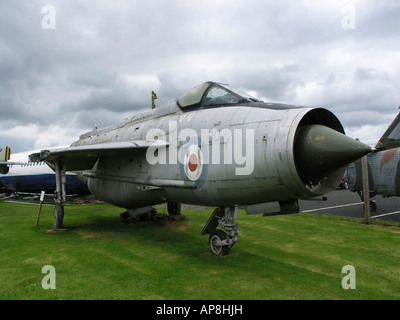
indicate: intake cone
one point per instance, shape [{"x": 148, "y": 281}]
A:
[{"x": 320, "y": 150}]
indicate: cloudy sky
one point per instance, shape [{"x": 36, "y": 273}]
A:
[{"x": 72, "y": 65}]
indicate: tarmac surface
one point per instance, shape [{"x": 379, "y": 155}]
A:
[{"x": 346, "y": 203}]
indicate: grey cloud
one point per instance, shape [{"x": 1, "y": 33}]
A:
[
  {"x": 363, "y": 74},
  {"x": 103, "y": 60},
  {"x": 274, "y": 83},
  {"x": 378, "y": 22}
]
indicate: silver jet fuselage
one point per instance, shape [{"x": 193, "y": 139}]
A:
[{"x": 225, "y": 155}]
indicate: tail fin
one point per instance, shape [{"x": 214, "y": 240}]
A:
[
  {"x": 391, "y": 137},
  {"x": 4, "y": 157}
]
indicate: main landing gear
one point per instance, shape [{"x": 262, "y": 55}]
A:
[
  {"x": 150, "y": 213},
  {"x": 372, "y": 203},
  {"x": 174, "y": 208},
  {"x": 222, "y": 240}
]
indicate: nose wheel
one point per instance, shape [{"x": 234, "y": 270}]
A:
[
  {"x": 221, "y": 241},
  {"x": 216, "y": 243}
]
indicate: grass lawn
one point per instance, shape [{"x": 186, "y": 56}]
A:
[{"x": 283, "y": 257}]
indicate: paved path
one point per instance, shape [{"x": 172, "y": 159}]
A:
[{"x": 347, "y": 203}]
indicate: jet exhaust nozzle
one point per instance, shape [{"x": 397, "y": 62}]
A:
[{"x": 320, "y": 151}]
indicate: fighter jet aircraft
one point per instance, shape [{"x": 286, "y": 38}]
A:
[
  {"x": 383, "y": 167},
  {"x": 214, "y": 146}
]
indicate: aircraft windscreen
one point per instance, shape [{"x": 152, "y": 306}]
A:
[
  {"x": 240, "y": 93},
  {"x": 218, "y": 95},
  {"x": 211, "y": 94}
]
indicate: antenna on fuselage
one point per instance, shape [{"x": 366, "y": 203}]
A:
[{"x": 153, "y": 97}]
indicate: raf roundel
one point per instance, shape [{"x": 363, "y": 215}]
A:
[{"x": 193, "y": 162}]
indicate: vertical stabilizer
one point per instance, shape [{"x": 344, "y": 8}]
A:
[
  {"x": 4, "y": 157},
  {"x": 391, "y": 137}
]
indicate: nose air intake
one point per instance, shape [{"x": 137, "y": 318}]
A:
[{"x": 320, "y": 151}]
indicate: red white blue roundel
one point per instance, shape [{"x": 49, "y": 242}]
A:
[{"x": 193, "y": 162}]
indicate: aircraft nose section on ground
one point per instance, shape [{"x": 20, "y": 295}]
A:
[{"x": 320, "y": 150}]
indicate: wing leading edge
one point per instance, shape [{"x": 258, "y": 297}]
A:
[
  {"x": 81, "y": 158},
  {"x": 84, "y": 157}
]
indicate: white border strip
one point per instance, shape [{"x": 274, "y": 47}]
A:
[
  {"x": 334, "y": 207},
  {"x": 385, "y": 214}
]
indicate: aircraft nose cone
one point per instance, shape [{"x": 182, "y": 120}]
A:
[{"x": 320, "y": 150}]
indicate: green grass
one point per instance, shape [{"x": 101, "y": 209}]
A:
[{"x": 284, "y": 257}]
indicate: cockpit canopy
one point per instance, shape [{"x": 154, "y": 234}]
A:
[{"x": 212, "y": 94}]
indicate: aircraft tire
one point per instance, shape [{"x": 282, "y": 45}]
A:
[
  {"x": 174, "y": 208},
  {"x": 373, "y": 205},
  {"x": 216, "y": 236}
]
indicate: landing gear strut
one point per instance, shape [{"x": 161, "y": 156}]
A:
[
  {"x": 372, "y": 203},
  {"x": 174, "y": 208},
  {"x": 221, "y": 241}
]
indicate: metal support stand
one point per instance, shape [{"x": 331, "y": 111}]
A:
[
  {"x": 367, "y": 208},
  {"x": 60, "y": 196}
]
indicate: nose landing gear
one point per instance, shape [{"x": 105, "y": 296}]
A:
[{"x": 221, "y": 241}]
